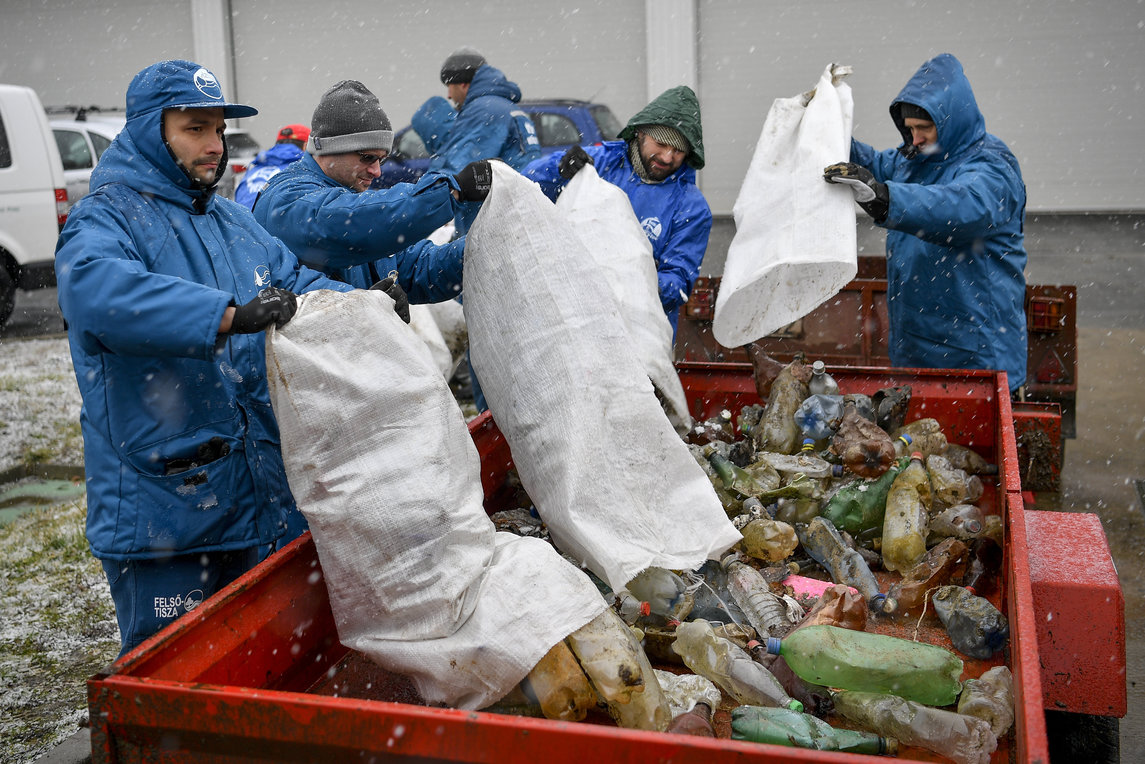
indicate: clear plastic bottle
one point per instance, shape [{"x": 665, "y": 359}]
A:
[
  {"x": 863, "y": 660},
  {"x": 781, "y": 726},
  {"x": 845, "y": 565},
  {"x": 963, "y": 739},
  {"x": 975, "y": 626},
  {"x": 665, "y": 592},
  {"x": 819, "y": 416},
  {"x": 950, "y": 486},
  {"x": 962, "y": 521},
  {"x": 990, "y": 698},
  {"x": 769, "y": 540},
  {"x": 906, "y": 522},
  {"x": 765, "y": 611},
  {"x": 729, "y": 667},
  {"x": 559, "y": 686},
  {"x": 803, "y": 462},
  {"x": 821, "y": 382},
  {"x": 985, "y": 563},
  {"x": 903, "y": 445},
  {"x": 932, "y": 571},
  {"x": 968, "y": 460},
  {"x": 926, "y": 436},
  {"x": 691, "y": 699}
]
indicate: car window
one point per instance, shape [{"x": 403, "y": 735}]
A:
[
  {"x": 100, "y": 144},
  {"x": 5, "y": 149},
  {"x": 555, "y": 130},
  {"x": 74, "y": 151},
  {"x": 411, "y": 146},
  {"x": 241, "y": 143},
  {"x": 606, "y": 121}
]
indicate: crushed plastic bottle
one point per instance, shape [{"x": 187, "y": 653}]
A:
[
  {"x": 769, "y": 540},
  {"x": 963, "y": 739},
  {"x": 821, "y": 383},
  {"x": 968, "y": 460},
  {"x": 864, "y": 448},
  {"x": 803, "y": 462},
  {"x": 819, "y": 416},
  {"x": 862, "y": 660},
  {"x": 890, "y": 405},
  {"x": 729, "y": 667},
  {"x": 845, "y": 565},
  {"x": 990, "y": 698},
  {"x": 985, "y": 563},
  {"x": 906, "y": 523},
  {"x": 859, "y": 507},
  {"x": 975, "y": 626},
  {"x": 926, "y": 436},
  {"x": 962, "y": 521},
  {"x": 934, "y": 570},
  {"x": 559, "y": 686},
  {"x": 777, "y": 430},
  {"x": 950, "y": 486},
  {"x": 765, "y": 611},
  {"x": 838, "y": 605},
  {"x": 781, "y": 726},
  {"x": 691, "y": 700},
  {"x": 736, "y": 480},
  {"x": 665, "y": 592}
]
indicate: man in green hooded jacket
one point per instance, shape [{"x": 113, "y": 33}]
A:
[{"x": 655, "y": 163}]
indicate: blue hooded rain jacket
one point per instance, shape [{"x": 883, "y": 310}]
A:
[
  {"x": 264, "y": 167},
  {"x": 361, "y": 237},
  {"x": 955, "y": 251},
  {"x": 146, "y": 265}
]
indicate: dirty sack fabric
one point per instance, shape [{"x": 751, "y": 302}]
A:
[
  {"x": 425, "y": 326},
  {"x": 602, "y": 217},
  {"x": 611, "y": 478},
  {"x": 795, "y": 241},
  {"x": 381, "y": 463}
]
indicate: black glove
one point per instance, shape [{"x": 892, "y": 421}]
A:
[
  {"x": 572, "y": 162},
  {"x": 271, "y": 306},
  {"x": 871, "y": 195},
  {"x": 474, "y": 181},
  {"x": 390, "y": 286}
]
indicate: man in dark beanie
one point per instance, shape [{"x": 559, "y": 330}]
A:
[
  {"x": 655, "y": 163},
  {"x": 323, "y": 208},
  {"x": 953, "y": 202}
]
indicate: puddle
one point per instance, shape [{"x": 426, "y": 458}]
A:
[{"x": 53, "y": 484}]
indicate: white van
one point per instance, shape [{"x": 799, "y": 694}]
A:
[{"x": 33, "y": 196}]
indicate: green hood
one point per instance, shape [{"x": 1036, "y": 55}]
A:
[{"x": 678, "y": 108}]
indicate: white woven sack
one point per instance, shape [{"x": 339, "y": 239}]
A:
[
  {"x": 612, "y": 480},
  {"x": 603, "y": 218},
  {"x": 382, "y": 465},
  {"x": 795, "y": 243},
  {"x": 425, "y": 326}
]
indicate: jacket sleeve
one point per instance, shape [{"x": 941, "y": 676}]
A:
[
  {"x": 477, "y": 133},
  {"x": 981, "y": 196},
  {"x": 431, "y": 272},
  {"x": 544, "y": 173},
  {"x": 880, "y": 163},
  {"x": 113, "y": 304},
  {"x": 679, "y": 263}
]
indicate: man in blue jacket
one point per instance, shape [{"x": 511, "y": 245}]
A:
[
  {"x": 488, "y": 123},
  {"x": 166, "y": 290},
  {"x": 655, "y": 163},
  {"x": 287, "y": 149},
  {"x": 953, "y": 202},
  {"x": 323, "y": 208}
]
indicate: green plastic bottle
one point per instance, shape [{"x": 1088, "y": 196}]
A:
[
  {"x": 860, "y": 660},
  {"x": 858, "y": 507},
  {"x": 782, "y": 726}
]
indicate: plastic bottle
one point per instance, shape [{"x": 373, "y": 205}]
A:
[
  {"x": 769, "y": 540},
  {"x": 890, "y": 405},
  {"x": 863, "y": 446},
  {"x": 905, "y": 524},
  {"x": 691, "y": 699},
  {"x": 697, "y": 722},
  {"x": 968, "y": 460},
  {"x": 962, "y": 739},
  {"x": 845, "y": 565},
  {"x": 729, "y": 667},
  {"x": 903, "y": 446},
  {"x": 781, "y": 726},
  {"x": 664, "y": 591},
  {"x": 765, "y": 611},
  {"x": 559, "y": 686},
  {"x": 975, "y": 626},
  {"x": 863, "y": 405},
  {"x": 738, "y": 481},
  {"x": 949, "y": 486},
  {"x": 816, "y": 699},
  {"x": 926, "y": 436},
  {"x": 718, "y": 427},
  {"x": 932, "y": 571},
  {"x": 803, "y": 462},
  {"x": 990, "y": 698},
  {"x": 777, "y": 430},
  {"x": 985, "y": 562},
  {"x": 838, "y": 605},
  {"x": 962, "y": 521},
  {"x": 821, "y": 383},
  {"x": 819, "y": 416},
  {"x": 862, "y": 660},
  {"x": 859, "y": 507}
]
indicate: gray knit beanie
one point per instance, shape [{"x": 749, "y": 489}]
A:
[
  {"x": 349, "y": 118},
  {"x": 461, "y": 65}
]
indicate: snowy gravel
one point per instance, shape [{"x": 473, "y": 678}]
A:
[{"x": 39, "y": 404}]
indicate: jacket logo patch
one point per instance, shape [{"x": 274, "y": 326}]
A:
[
  {"x": 262, "y": 276},
  {"x": 206, "y": 83},
  {"x": 652, "y": 228}
]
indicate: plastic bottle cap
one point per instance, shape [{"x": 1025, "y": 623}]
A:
[
  {"x": 916, "y": 455},
  {"x": 795, "y": 705},
  {"x": 753, "y": 643},
  {"x": 645, "y": 608},
  {"x": 837, "y": 470},
  {"x": 905, "y": 438},
  {"x": 773, "y": 644}
]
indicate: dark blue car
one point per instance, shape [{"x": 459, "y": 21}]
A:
[{"x": 560, "y": 123}]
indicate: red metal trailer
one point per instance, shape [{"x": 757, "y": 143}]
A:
[{"x": 257, "y": 673}]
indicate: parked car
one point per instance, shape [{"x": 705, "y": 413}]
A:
[
  {"x": 560, "y": 123},
  {"x": 242, "y": 148},
  {"x": 33, "y": 196},
  {"x": 81, "y": 142}
]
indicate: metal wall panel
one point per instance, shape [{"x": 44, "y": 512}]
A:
[
  {"x": 1059, "y": 81},
  {"x": 288, "y": 52}
]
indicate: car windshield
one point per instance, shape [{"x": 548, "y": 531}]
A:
[
  {"x": 241, "y": 143},
  {"x": 606, "y": 121}
]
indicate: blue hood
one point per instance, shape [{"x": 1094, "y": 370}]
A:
[
  {"x": 940, "y": 86},
  {"x": 491, "y": 81},
  {"x": 432, "y": 122},
  {"x": 139, "y": 157}
]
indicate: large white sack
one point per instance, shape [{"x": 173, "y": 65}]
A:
[
  {"x": 382, "y": 465},
  {"x": 425, "y": 326},
  {"x": 603, "y": 218},
  {"x": 614, "y": 483},
  {"x": 795, "y": 242}
]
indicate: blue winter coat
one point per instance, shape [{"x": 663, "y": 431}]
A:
[
  {"x": 955, "y": 251},
  {"x": 674, "y": 214},
  {"x": 146, "y": 267},
  {"x": 264, "y": 167},
  {"x": 359, "y": 237}
]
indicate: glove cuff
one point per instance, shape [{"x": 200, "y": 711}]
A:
[{"x": 878, "y": 207}]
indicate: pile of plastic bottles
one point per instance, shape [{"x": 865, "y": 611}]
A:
[{"x": 829, "y": 489}]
